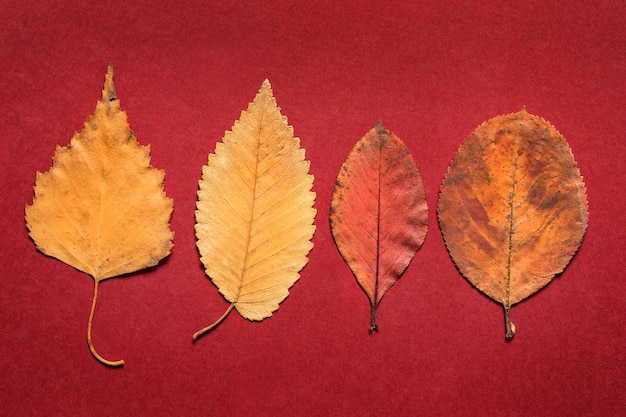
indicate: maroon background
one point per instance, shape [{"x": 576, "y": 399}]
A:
[{"x": 432, "y": 71}]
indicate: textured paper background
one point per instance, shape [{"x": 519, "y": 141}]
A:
[{"x": 431, "y": 71}]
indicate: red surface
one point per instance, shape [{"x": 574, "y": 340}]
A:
[{"x": 432, "y": 71}]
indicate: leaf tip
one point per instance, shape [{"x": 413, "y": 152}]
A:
[
  {"x": 523, "y": 112},
  {"x": 266, "y": 85},
  {"x": 108, "y": 92},
  {"x": 265, "y": 93}
]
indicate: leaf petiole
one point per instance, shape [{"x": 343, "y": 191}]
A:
[
  {"x": 218, "y": 321},
  {"x": 373, "y": 325},
  {"x": 89, "y": 342},
  {"x": 510, "y": 327}
]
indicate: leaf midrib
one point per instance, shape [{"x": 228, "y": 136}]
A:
[
  {"x": 378, "y": 217},
  {"x": 252, "y": 204},
  {"x": 507, "y": 296}
]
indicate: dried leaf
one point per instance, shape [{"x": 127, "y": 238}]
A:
[
  {"x": 378, "y": 215},
  {"x": 254, "y": 217},
  {"x": 101, "y": 208},
  {"x": 513, "y": 208}
]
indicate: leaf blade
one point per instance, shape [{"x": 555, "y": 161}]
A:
[
  {"x": 101, "y": 207},
  {"x": 512, "y": 207},
  {"x": 379, "y": 214},
  {"x": 266, "y": 200}
]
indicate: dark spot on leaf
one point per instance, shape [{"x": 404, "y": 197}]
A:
[
  {"x": 482, "y": 243},
  {"x": 536, "y": 194},
  {"x": 550, "y": 202},
  {"x": 476, "y": 210},
  {"x": 536, "y": 169}
]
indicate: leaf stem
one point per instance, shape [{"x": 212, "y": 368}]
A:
[
  {"x": 89, "y": 342},
  {"x": 510, "y": 327},
  {"x": 218, "y": 321},
  {"x": 373, "y": 325}
]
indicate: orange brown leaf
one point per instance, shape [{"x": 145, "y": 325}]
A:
[
  {"x": 513, "y": 208},
  {"x": 379, "y": 214},
  {"x": 101, "y": 208}
]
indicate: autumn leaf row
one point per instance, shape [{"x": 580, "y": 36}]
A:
[{"x": 512, "y": 208}]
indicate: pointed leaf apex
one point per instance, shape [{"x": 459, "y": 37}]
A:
[
  {"x": 380, "y": 128},
  {"x": 266, "y": 87},
  {"x": 108, "y": 92}
]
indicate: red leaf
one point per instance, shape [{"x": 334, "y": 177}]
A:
[{"x": 378, "y": 215}]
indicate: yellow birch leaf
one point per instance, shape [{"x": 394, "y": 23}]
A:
[
  {"x": 101, "y": 208},
  {"x": 254, "y": 217}
]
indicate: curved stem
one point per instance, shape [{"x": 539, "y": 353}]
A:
[
  {"x": 91, "y": 348},
  {"x": 218, "y": 321}
]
